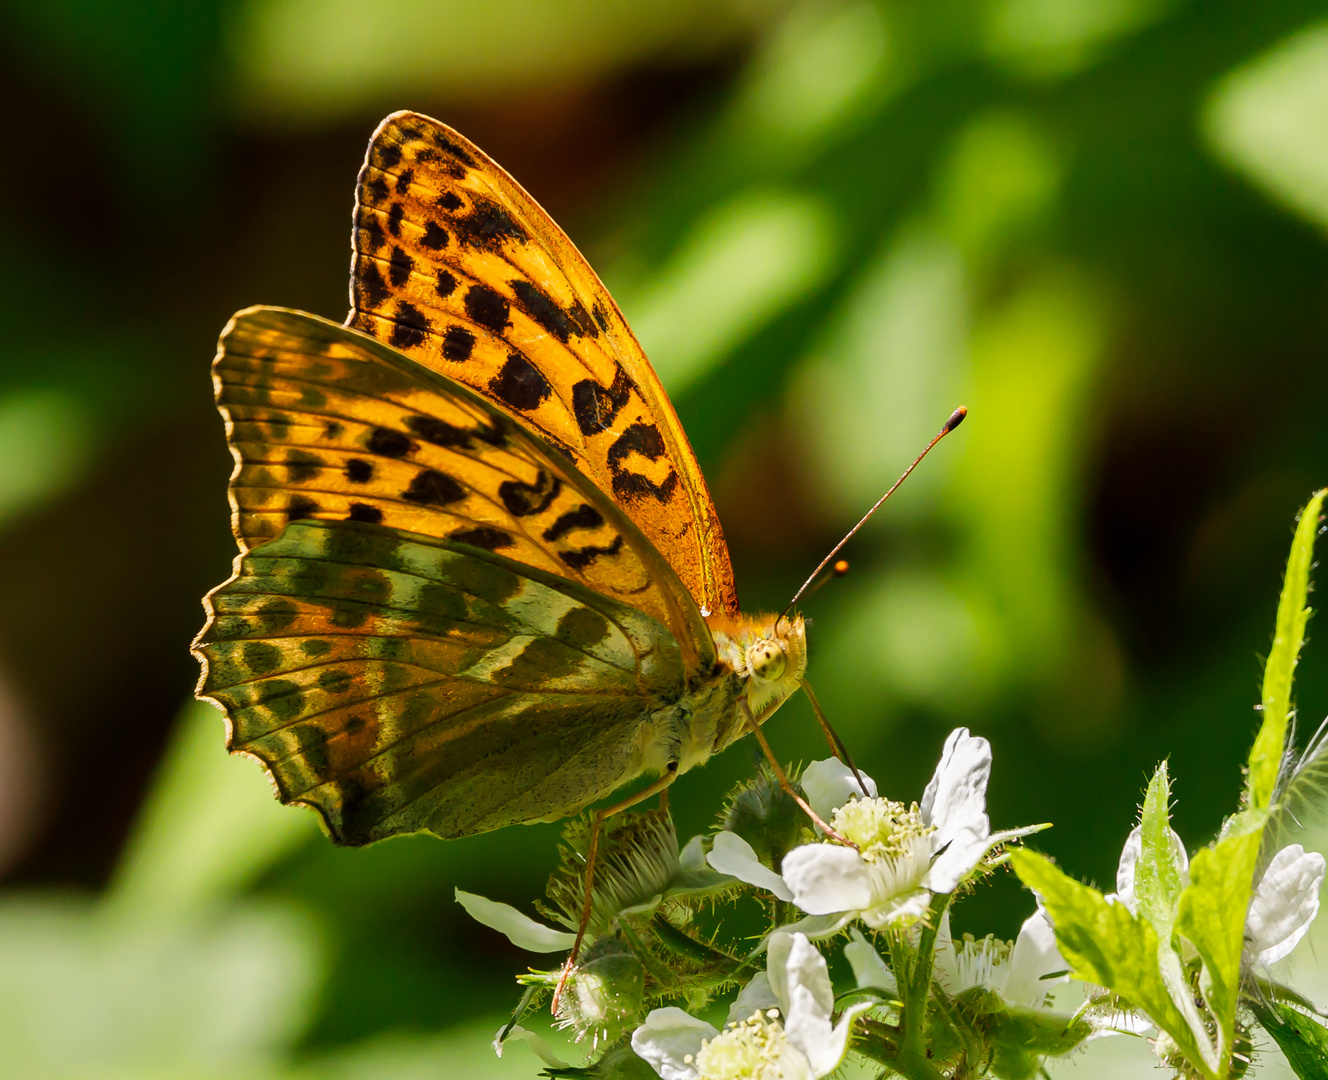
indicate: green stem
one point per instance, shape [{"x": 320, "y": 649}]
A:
[{"x": 913, "y": 973}]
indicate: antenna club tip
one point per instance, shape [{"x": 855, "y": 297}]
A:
[
  {"x": 956, "y": 418},
  {"x": 841, "y": 568}
]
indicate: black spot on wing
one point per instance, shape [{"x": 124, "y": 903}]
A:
[
  {"x": 389, "y": 155},
  {"x": 522, "y": 499},
  {"x": 596, "y": 406},
  {"x": 389, "y": 443},
  {"x": 373, "y": 233},
  {"x": 584, "y": 516},
  {"x": 580, "y": 558},
  {"x": 433, "y": 488},
  {"x": 542, "y": 309},
  {"x": 458, "y": 341},
  {"x": 377, "y": 187},
  {"x": 520, "y": 384},
  {"x": 373, "y": 289},
  {"x": 394, "y": 215},
  {"x": 399, "y": 266},
  {"x": 302, "y": 466},
  {"x": 435, "y": 237},
  {"x": 449, "y": 146},
  {"x": 487, "y": 226},
  {"x": 439, "y": 432},
  {"x": 409, "y": 326},
  {"x": 601, "y": 317},
  {"x": 300, "y": 506},
  {"x": 404, "y": 180},
  {"x": 487, "y": 307},
  {"x": 446, "y": 284},
  {"x": 643, "y": 439},
  {"x": 371, "y": 515},
  {"x": 482, "y": 536},
  {"x": 449, "y": 200},
  {"x": 358, "y": 471}
]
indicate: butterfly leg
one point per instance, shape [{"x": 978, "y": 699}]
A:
[
  {"x": 783, "y": 779},
  {"x": 837, "y": 746},
  {"x": 660, "y": 788}
]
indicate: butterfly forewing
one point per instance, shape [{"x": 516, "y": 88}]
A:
[
  {"x": 458, "y": 267},
  {"x": 398, "y": 682},
  {"x": 328, "y": 424}
]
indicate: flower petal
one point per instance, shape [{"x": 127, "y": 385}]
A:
[
  {"x": 521, "y": 930},
  {"x": 531, "y": 1039},
  {"x": 956, "y": 797},
  {"x": 801, "y": 982},
  {"x": 1035, "y": 956},
  {"x": 912, "y": 905},
  {"x": 731, "y": 854},
  {"x": 827, "y": 878},
  {"x": 869, "y": 969},
  {"x": 756, "y": 996},
  {"x": 1285, "y": 903},
  {"x": 667, "y": 1037},
  {"x": 957, "y": 861},
  {"x": 829, "y": 784},
  {"x": 693, "y": 856}
]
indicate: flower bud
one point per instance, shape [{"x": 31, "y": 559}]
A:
[
  {"x": 605, "y": 993},
  {"x": 765, "y": 815}
]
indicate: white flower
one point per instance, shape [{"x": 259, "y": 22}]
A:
[
  {"x": 1021, "y": 973},
  {"x": 904, "y": 854},
  {"x": 1285, "y": 903},
  {"x": 757, "y": 1046}
]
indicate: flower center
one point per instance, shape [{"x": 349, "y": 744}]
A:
[
  {"x": 882, "y": 829},
  {"x": 751, "y": 1050},
  {"x": 981, "y": 962}
]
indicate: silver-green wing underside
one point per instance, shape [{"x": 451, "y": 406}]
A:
[{"x": 397, "y": 683}]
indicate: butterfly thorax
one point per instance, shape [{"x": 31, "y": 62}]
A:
[{"x": 758, "y": 668}]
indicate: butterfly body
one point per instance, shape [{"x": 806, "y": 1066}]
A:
[{"x": 480, "y": 579}]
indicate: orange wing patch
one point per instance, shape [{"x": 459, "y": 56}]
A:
[
  {"x": 328, "y": 425},
  {"x": 455, "y": 265}
]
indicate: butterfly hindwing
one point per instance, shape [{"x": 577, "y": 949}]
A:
[
  {"x": 397, "y": 682},
  {"x": 327, "y": 424},
  {"x": 455, "y": 265}
]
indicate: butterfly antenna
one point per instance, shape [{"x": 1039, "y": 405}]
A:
[{"x": 956, "y": 418}]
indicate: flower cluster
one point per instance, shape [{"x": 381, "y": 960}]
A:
[
  {"x": 657, "y": 961},
  {"x": 1187, "y": 950}
]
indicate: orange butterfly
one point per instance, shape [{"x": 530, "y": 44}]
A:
[{"x": 481, "y": 580}]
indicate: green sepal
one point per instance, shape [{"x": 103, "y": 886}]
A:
[
  {"x": 1279, "y": 671},
  {"x": 1018, "y": 1038},
  {"x": 1212, "y": 918},
  {"x": 1157, "y": 880}
]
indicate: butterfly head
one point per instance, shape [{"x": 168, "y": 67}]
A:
[{"x": 768, "y": 655}]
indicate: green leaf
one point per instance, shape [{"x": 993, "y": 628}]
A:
[
  {"x": 1278, "y": 673},
  {"x": 1212, "y": 917},
  {"x": 1105, "y": 944},
  {"x": 1157, "y": 880},
  {"x": 1302, "y": 1039}
]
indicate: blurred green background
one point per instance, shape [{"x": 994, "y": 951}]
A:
[{"x": 1101, "y": 224}]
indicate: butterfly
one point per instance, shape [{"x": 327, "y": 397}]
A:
[{"x": 480, "y": 578}]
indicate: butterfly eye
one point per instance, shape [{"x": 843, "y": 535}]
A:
[{"x": 766, "y": 660}]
